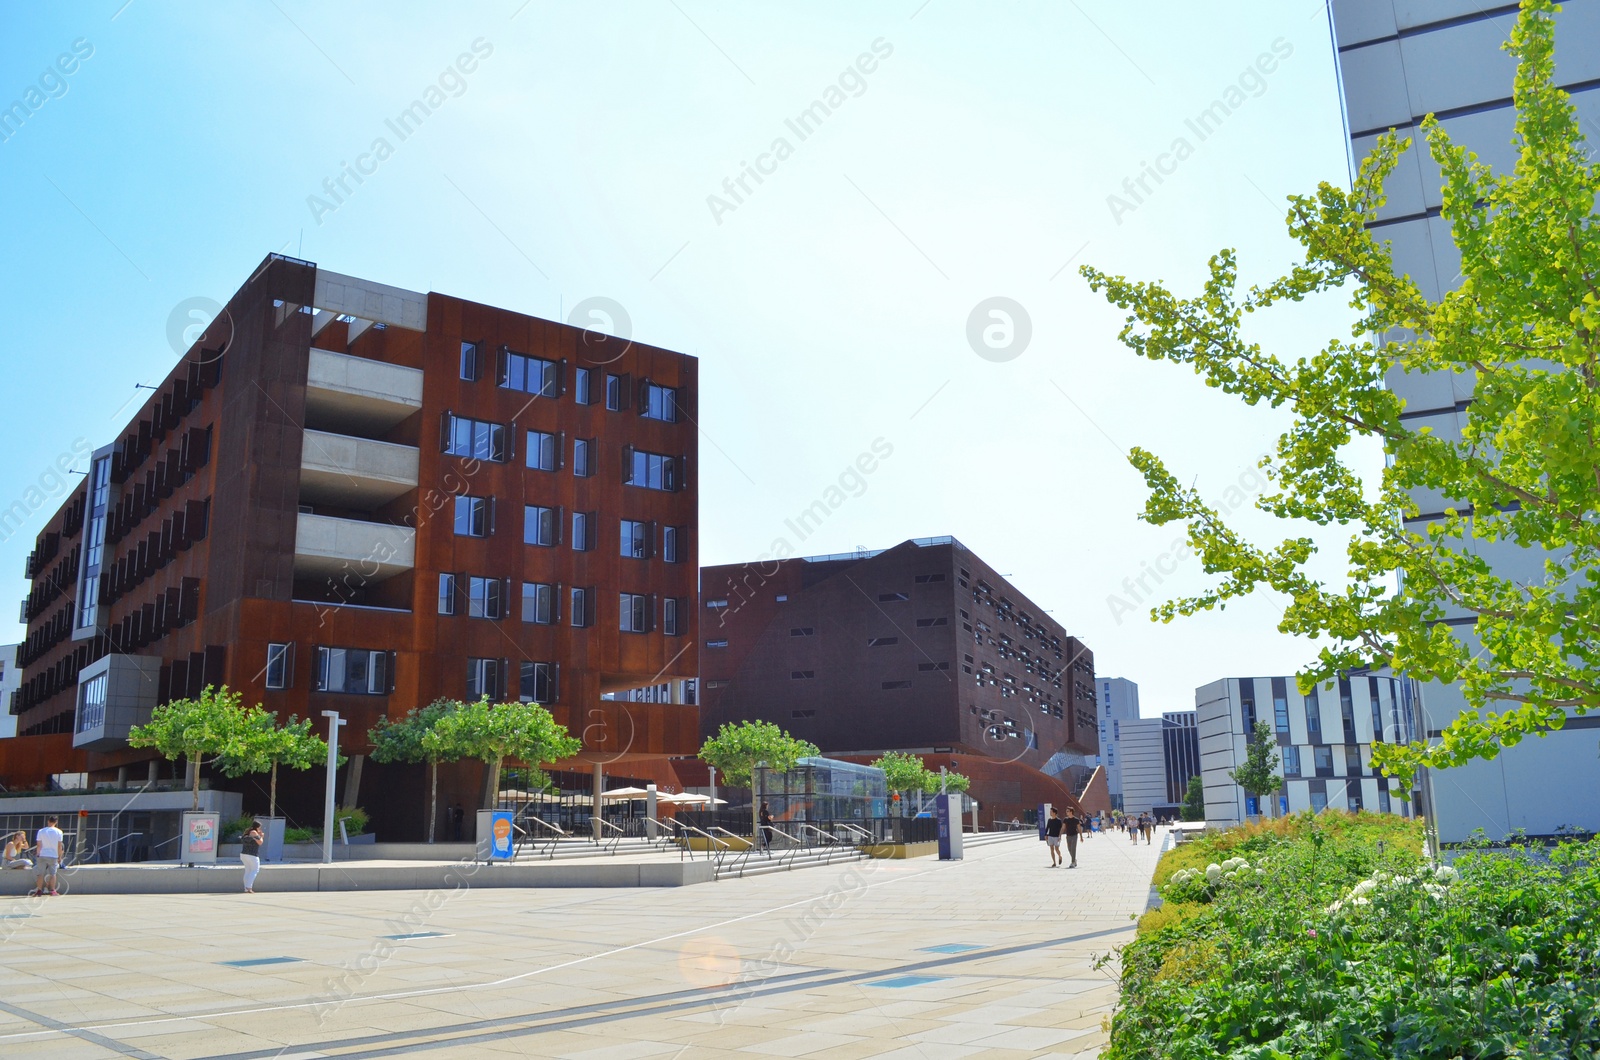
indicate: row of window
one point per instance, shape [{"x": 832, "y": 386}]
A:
[
  {"x": 493, "y": 442},
  {"x": 637, "y": 539},
  {"x": 368, "y": 672},
  {"x": 545, "y": 378},
  {"x": 482, "y": 597}
]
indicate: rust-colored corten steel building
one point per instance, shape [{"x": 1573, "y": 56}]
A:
[
  {"x": 921, "y": 648},
  {"x": 354, "y": 497}
]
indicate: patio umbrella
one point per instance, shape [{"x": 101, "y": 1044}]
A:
[{"x": 625, "y": 793}]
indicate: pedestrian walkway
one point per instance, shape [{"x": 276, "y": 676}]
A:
[{"x": 990, "y": 956}]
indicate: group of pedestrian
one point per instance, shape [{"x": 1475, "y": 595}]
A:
[
  {"x": 46, "y": 847},
  {"x": 1069, "y": 828}
]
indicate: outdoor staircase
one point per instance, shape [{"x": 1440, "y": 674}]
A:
[{"x": 784, "y": 859}]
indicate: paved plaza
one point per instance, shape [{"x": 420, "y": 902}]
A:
[{"x": 990, "y": 956}]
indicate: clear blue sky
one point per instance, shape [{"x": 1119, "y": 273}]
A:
[{"x": 829, "y": 306}]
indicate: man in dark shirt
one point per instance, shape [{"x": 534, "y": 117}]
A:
[
  {"x": 1052, "y": 836},
  {"x": 1072, "y": 830}
]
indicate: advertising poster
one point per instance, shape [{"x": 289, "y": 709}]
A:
[
  {"x": 202, "y": 831},
  {"x": 501, "y": 842}
]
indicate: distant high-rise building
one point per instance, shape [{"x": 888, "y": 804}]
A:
[
  {"x": 1116, "y": 702},
  {"x": 1399, "y": 62},
  {"x": 10, "y": 678}
]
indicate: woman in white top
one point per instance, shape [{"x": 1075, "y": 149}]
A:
[{"x": 16, "y": 848}]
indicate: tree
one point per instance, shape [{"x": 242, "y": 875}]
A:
[
  {"x": 192, "y": 729},
  {"x": 493, "y": 732},
  {"x": 957, "y": 782},
  {"x": 904, "y": 773},
  {"x": 260, "y": 745},
  {"x": 1258, "y": 775},
  {"x": 403, "y": 741},
  {"x": 1194, "y": 800},
  {"x": 1523, "y": 330},
  {"x": 736, "y": 750}
]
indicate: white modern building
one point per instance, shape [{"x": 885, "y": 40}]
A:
[
  {"x": 1148, "y": 761},
  {"x": 1324, "y": 740},
  {"x": 10, "y": 678},
  {"x": 1398, "y": 61}
]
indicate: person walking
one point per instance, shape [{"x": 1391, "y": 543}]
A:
[
  {"x": 1147, "y": 827},
  {"x": 1132, "y": 824},
  {"x": 16, "y": 854},
  {"x": 1053, "y": 830},
  {"x": 250, "y": 855},
  {"x": 49, "y": 841},
  {"x": 766, "y": 827},
  {"x": 1071, "y": 828}
]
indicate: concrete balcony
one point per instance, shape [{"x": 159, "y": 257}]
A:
[
  {"x": 356, "y": 395},
  {"x": 326, "y": 547},
  {"x": 349, "y": 472}
]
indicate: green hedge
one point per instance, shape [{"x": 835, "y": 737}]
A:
[{"x": 1331, "y": 936}]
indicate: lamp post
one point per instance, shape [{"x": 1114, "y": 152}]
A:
[{"x": 334, "y": 722}]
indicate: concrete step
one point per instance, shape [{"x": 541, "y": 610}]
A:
[{"x": 783, "y": 861}]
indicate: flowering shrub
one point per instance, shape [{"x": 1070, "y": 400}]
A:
[{"x": 1332, "y": 936}]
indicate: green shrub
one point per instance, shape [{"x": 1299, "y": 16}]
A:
[
  {"x": 299, "y": 835},
  {"x": 235, "y": 828},
  {"x": 1332, "y": 945}
]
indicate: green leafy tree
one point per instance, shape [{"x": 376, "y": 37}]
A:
[
  {"x": 1194, "y": 800},
  {"x": 261, "y": 745},
  {"x": 493, "y": 732},
  {"x": 737, "y": 749},
  {"x": 404, "y": 741},
  {"x": 904, "y": 774},
  {"x": 958, "y": 782},
  {"x": 1258, "y": 775},
  {"x": 192, "y": 729},
  {"x": 1523, "y": 328}
]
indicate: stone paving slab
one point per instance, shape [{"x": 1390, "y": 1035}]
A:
[{"x": 856, "y": 960}]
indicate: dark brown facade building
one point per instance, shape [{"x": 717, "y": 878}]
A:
[
  {"x": 354, "y": 497},
  {"x": 921, "y": 647}
]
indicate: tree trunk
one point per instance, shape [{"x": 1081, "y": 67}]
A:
[
  {"x": 433, "y": 797},
  {"x": 272, "y": 799},
  {"x": 197, "y": 760},
  {"x": 491, "y": 787}
]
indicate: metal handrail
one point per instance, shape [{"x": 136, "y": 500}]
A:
[
  {"x": 711, "y": 842},
  {"x": 793, "y": 851},
  {"x": 669, "y": 833},
  {"x": 744, "y": 855},
  {"x": 857, "y": 830},
  {"x": 560, "y": 833},
  {"x": 615, "y": 840},
  {"x": 94, "y": 855},
  {"x": 825, "y": 836}
]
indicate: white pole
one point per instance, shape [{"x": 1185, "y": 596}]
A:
[
  {"x": 334, "y": 722},
  {"x": 712, "y": 805}
]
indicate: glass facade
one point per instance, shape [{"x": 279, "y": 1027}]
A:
[{"x": 824, "y": 789}]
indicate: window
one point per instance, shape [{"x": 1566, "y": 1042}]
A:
[
  {"x": 280, "y": 671},
  {"x": 802, "y": 713},
  {"x": 1313, "y": 713},
  {"x": 660, "y": 403},
  {"x": 802, "y": 675},
  {"x": 933, "y": 666},
  {"x": 884, "y": 598},
  {"x": 484, "y": 679},
  {"x": 539, "y": 603},
  {"x": 1352, "y": 761},
  {"x": 1291, "y": 761},
  {"x": 1353, "y": 798},
  {"x": 782, "y": 598},
  {"x": 923, "y": 579},
  {"x": 671, "y": 609},
  {"x": 1324, "y": 760},
  {"x": 1247, "y": 707},
  {"x": 652, "y": 470},
  {"x": 1383, "y": 798},
  {"x": 539, "y": 526},
  {"x": 635, "y": 539},
  {"x": 470, "y": 361},
  {"x": 803, "y": 631},
  {"x": 478, "y": 439},
  {"x": 1377, "y": 710},
  {"x": 583, "y": 457},
  {"x": 896, "y": 684},
  {"x": 531, "y": 375},
  {"x": 583, "y": 386},
  {"x": 1347, "y": 710},
  {"x": 716, "y": 644},
  {"x": 92, "y": 702},
  {"x": 544, "y": 453},
  {"x": 1280, "y": 704},
  {"x": 1319, "y": 801},
  {"x": 538, "y": 682},
  {"x": 358, "y": 671},
  {"x": 635, "y": 615},
  {"x": 926, "y": 622},
  {"x": 582, "y": 612},
  {"x": 447, "y": 594},
  {"x": 881, "y": 642},
  {"x": 472, "y": 516},
  {"x": 674, "y": 544},
  {"x": 713, "y": 604},
  {"x": 616, "y": 393},
  {"x": 485, "y": 598},
  {"x": 583, "y": 531}
]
